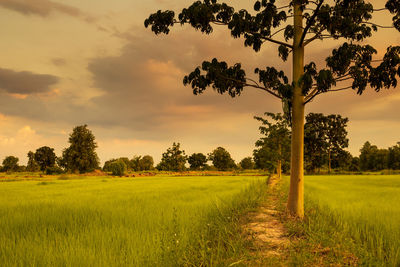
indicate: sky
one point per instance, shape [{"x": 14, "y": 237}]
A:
[{"x": 68, "y": 63}]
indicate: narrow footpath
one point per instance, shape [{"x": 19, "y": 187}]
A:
[{"x": 266, "y": 231}]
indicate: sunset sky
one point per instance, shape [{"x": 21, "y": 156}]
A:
[{"x": 68, "y": 63}]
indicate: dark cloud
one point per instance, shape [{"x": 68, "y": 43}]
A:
[
  {"x": 25, "y": 82},
  {"x": 43, "y": 8}
]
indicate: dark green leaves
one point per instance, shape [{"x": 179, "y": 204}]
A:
[
  {"x": 276, "y": 81},
  {"x": 384, "y": 75},
  {"x": 160, "y": 21},
  {"x": 283, "y": 52},
  {"x": 218, "y": 75},
  {"x": 394, "y": 8}
]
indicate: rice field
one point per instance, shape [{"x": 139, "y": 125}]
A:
[
  {"x": 365, "y": 207},
  {"x": 149, "y": 221}
]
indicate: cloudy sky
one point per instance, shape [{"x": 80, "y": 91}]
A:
[{"x": 67, "y": 63}]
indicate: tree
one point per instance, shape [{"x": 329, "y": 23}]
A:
[
  {"x": 32, "y": 165},
  {"x": 118, "y": 167},
  {"x": 372, "y": 158},
  {"x": 324, "y": 135},
  {"x": 10, "y": 164},
  {"x": 336, "y": 136},
  {"x": 174, "y": 159},
  {"x": 276, "y": 140},
  {"x": 247, "y": 163},
  {"x": 146, "y": 163},
  {"x": 394, "y": 157},
  {"x": 197, "y": 161},
  {"x": 135, "y": 163},
  {"x": 351, "y": 62},
  {"x": 315, "y": 141},
  {"x": 81, "y": 155},
  {"x": 221, "y": 159},
  {"x": 45, "y": 157}
]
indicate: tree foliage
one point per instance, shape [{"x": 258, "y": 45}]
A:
[
  {"x": 197, "y": 161},
  {"x": 10, "y": 164},
  {"x": 247, "y": 163},
  {"x": 118, "y": 167},
  {"x": 174, "y": 159},
  {"x": 45, "y": 157},
  {"x": 273, "y": 148},
  {"x": 32, "y": 165},
  {"x": 221, "y": 159},
  {"x": 81, "y": 156}
]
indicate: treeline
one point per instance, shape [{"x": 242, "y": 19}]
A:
[{"x": 325, "y": 143}]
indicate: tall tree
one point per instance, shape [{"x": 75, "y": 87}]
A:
[
  {"x": 146, "y": 163},
  {"x": 45, "y": 157},
  {"x": 351, "y": 62},
  {"x": 394, "y": 157},
  {"x": 221, "y": 159},
  {"x": 32, "y": 165},
  {"x": 276, "y": 139},
  {"x": 81, "y": 156},
  {"x": 174, "y": 159}
]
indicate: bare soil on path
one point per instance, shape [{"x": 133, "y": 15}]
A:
[{"x": 266, "y": 231}]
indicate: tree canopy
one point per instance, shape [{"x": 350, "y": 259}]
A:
[
  {"x": 221, "y": 159},
  {"x": 81, "y": 156},
  {"x": 10, "y": 164},
  {"x": 45, "y": 157},
  {"x": 197, "y": 161},
  {"x": 174, "y": 159}
]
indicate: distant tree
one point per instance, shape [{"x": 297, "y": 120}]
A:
[
  {"x": 355, "y": 164},
  {"x": 10, "y": 164},
  {"x": 135, "y": 163},
  {"x": 336, "y": 136},
  {"x": 197, "y": 161},
  {"x": 118, "y": 167},
  {"x": 45, "y": 157},
  {"x": 276, "y": 139},
  {"x": 146, "y": 163},
  {"x": 107, "y": 164},
  {"x": 247, "y": 163},
  {"x": 342, "y": 160},
  {"x": 372, "y": 158},
  {"x": 32, "y": 165},
  {"x": 347, "y": 21},
  {"x": 315, "y": 144},
  {"x": 174, "y": 159},
  {"x": 264, "y": 159},
  {"x": 324, "y": 138},
  {"x": 221, "y": 159},
  {"x": 394, "y": 157},
  {"x": 127, "y": 163},
  {"x": 81, "y": 155}
]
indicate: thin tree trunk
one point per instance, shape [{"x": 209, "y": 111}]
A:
[{"x": 296, "y": 194}]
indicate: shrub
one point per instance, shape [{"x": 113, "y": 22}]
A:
[
  {"x": 118, "y": 168},
  {"x": 54, "y": 170}
]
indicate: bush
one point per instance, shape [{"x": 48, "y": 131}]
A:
[
  {"x": 118, "y": 168},
  {"x": 54, "y": 170}
]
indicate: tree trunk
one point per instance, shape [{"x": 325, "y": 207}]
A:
[
  {"x": 279, "y": 165},
  {"x": 296, "y": 194},
  {"x": 329, "y": 161}
]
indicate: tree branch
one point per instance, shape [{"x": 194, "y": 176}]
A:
[{"x": 310, "y": 22}]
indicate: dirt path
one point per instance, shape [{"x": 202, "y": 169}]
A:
[{"x": 268, "y": 234}]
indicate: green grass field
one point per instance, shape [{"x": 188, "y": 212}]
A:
[
  {"x": 149, "y": 221},
  {"x": 363, "y": 207}
]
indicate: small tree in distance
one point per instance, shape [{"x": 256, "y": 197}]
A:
[
  {"x": 32, "y": 165},
  {"x": 247, "y": 163},
  {"x": 80, "y": 156},
  {"x": 45, "y": 157},
  {"x": 221, "y": 159},
  {"x": 174, "y": 159},
  {"x": 197, "y": 161},
  {"x": 10, "y": 164}
]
